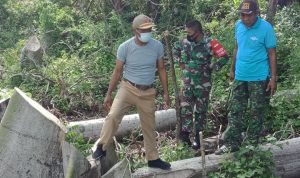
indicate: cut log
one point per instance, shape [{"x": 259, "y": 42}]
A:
[
  {"x": 32, "y": 144},
  {"x": 287, "y": 162},
  {"x": 165, "y": 120}
]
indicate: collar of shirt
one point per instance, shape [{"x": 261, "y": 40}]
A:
[
  {"x": 256, "y": 24},
  {"x": 202, "y": 41}
]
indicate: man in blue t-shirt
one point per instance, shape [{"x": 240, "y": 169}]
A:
[
  {"x": 254, "y": 73},
  {"x": 138, "y": 59}
]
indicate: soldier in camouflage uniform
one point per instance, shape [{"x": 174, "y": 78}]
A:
[
  {"x": 194, "y": 56},
  {"x": 254, "y": 62}
]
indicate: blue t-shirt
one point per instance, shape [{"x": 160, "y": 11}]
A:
[
  {"x": 252, "y": 61},
  {"x": 140, "y": 61}
]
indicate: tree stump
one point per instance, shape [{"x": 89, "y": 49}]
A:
[{"x": 32, "y": 54}]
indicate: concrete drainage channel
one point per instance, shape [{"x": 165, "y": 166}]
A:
[
  {"x": 33, "y": 144},
  {"x": 3, "y": 106}
]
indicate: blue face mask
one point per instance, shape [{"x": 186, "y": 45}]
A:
[{"x": 145, "y": 37}]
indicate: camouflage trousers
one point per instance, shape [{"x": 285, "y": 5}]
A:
[
  {"x": 194, "y": 102},
  {"x": 246, "y": 94}
]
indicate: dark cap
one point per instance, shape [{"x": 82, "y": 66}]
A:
[{"x": 248, "y": 7}]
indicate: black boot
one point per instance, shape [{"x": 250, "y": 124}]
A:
[
  {"x": 158, "y": 163},
  {"x": 196, "y": 142},
  {"x": 99, "y": 153},
  {"x": 185, "y": 138}
]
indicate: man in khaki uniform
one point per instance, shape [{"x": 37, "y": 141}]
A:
[{"x": 138, "y": 58}]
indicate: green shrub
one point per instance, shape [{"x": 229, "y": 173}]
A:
[
  {"x": 288, "y": 35},
  {"x": 284, "y": 118},
  {"x": 75, "y": 138},
  {"x": 18, "y": 20},
  {"x": 12, "y": 73},
  {"x": 54, "y": 22},
  {"x": 248, "y": 162},
  {"x": 175, "y": 152}
]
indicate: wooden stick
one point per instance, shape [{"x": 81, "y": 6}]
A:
[
  {"x": 202, "y": 155},
  {"x": 219, "y": 135},
  {"x": 173, "y": 75}
]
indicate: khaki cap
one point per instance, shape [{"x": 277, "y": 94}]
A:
[{"x": 142, "y": 22}]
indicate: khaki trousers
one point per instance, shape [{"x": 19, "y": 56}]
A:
[{"x": 128, "y": 96}]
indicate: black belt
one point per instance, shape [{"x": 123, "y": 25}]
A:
[{"x": 141, "y": 87}]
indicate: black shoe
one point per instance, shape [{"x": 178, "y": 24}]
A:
[
  {"x": 158, "y": 163},
  {"x": 196, "y": 142},
  {"x": 196, "y": 145},
  {"x": 99, "y": 153},
  {"x": 185, "y": 138}
]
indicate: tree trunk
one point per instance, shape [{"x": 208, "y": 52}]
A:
[
  {"x": 165, "y": 120},
  {"x": 287, "y": 163},
  {"x": 271, "y": 11},
  {"x": 118, "y": 5}
]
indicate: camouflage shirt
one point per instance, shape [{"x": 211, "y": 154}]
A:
[{"x": 196, "y": 56}]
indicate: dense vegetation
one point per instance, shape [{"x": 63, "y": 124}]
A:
[{"x": 80, "y": 39}]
